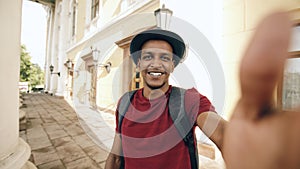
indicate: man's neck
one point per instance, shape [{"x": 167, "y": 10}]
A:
[{"x": 154, "y": 93}]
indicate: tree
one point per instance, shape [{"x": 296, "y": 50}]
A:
[
  {"x": 30, "y": 72},
  {"x": 37, "y": 75},
  {"x": 25, "y": 65}
]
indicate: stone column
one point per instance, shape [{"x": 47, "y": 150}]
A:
[
  {"x": 54, "y": 47},
  {"x": 50, "y": 21},
  {"x": 62, "y": 45},
  {"x": 14, "y": 152}
]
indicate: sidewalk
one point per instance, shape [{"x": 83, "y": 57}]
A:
[{"x": 56, "y": 137}]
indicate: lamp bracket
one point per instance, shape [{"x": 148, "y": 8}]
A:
[{"x": 106, "y": 66}]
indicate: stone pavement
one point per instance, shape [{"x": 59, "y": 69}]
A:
[{"x": 56, "y": 137}]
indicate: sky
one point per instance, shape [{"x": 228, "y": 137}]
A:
[{"x": 33, "y": 33}]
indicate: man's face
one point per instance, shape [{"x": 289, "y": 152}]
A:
[{"x": 156, "y": 63}]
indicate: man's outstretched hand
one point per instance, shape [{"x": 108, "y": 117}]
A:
[{"x": 258, "y": 136}]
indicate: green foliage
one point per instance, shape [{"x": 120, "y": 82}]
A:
[
  {"x": 30, "y": 72},
  {"x": 37, "y": 75},
  {"x": 25, "y": 65}
]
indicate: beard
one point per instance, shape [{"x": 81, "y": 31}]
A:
[{"x": 155, "y": 87}]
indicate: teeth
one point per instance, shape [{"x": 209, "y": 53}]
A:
[{"x": 155, "y": 74}]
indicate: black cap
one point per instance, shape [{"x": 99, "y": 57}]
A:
[{"x": 172, "y": 38}]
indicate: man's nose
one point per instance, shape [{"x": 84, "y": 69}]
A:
[{"x": 156, "y": 62}]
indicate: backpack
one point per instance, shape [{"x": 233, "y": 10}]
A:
[{"x": 178, "y": 115}]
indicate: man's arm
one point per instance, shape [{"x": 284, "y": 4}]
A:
[
  {"x": 113, "y": 160},
  {"x": 213, "y": 127}
]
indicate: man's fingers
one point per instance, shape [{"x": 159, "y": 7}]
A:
[{"x": 263, "y": 63}]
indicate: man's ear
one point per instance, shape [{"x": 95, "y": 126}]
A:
[
  {"x": 138, "y": 66},
  {"x": 173, "y": 65}
]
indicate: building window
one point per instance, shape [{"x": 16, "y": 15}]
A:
[
  {"x": 290, "y": 96},
  {"x": 289, "y": 87},
  {"x": 95, "y": 9},
  {"x": 73, "y": 20}
]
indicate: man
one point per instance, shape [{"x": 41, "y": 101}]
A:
[
  {"x": 258, "y": 135},
  {"x": 149, "y": 138}
]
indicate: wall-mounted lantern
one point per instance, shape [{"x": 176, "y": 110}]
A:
[
  {"x": 106, "y": 66},
  {"x": 163, "y": 17},
  {"x": 51, "y": 67},
  {"x": 95, "y": 54},
  {"x": 69, "y": 64}
]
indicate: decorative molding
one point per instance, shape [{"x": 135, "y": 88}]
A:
[
  {"x": 124, "y": 43},
  {"x": 87, "y": 57},
  {"x": 88, "y": 60}
]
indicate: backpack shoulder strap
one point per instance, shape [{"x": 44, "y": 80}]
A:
[
  {"x": 177, "y": 111},
  {"x": 183, "y": 124},
  {"x": 125, "y": 101}
]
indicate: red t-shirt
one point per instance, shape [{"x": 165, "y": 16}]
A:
[{"x": 149, "y": 138}]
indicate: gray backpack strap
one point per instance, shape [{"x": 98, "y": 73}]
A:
[
  {"x": 183, "y": 124},
  {"x": 177, "y": 111},
  {"x": 125, "y": 101}
]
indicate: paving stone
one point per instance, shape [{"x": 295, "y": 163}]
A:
[
  {"x": 44, "y": 155},
  {"x": 30, "y": 114},
  {"x": 36, "y": 132},
  {"x": 43, "y": 111},
  {"x": 57, "y": 134},
  {"x": 48, "y": 119},
  {"x": 83, "y": 163},
  {"x": 35, "y": 121},
  {"x": 45, "y": 114},
  {"x": 52, "y": 165},
  {"x": 60, "y": 118},
  {"x": 72, "y": 117},
  {"x": 61, "y": 109},
  {"x": 65, "y": 122},
  {"x": 96, "y": 153},
  {"x": 50, "y": 127},
  {"x": 37, "y": 143},
  {"x": 62, "y": 141},
  {"x": 57, "y": 115},
  {"x": 73, "y": 129},
  {"x": 83, "y": 141},
  {"x": 70, "y": 152}
]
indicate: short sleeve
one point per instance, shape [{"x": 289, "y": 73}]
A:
[{"x": 196, "y": 103}]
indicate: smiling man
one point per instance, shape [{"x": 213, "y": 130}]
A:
[
  {"x": 258, "y": 135},
  {"x": 147, "y": 134}
]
